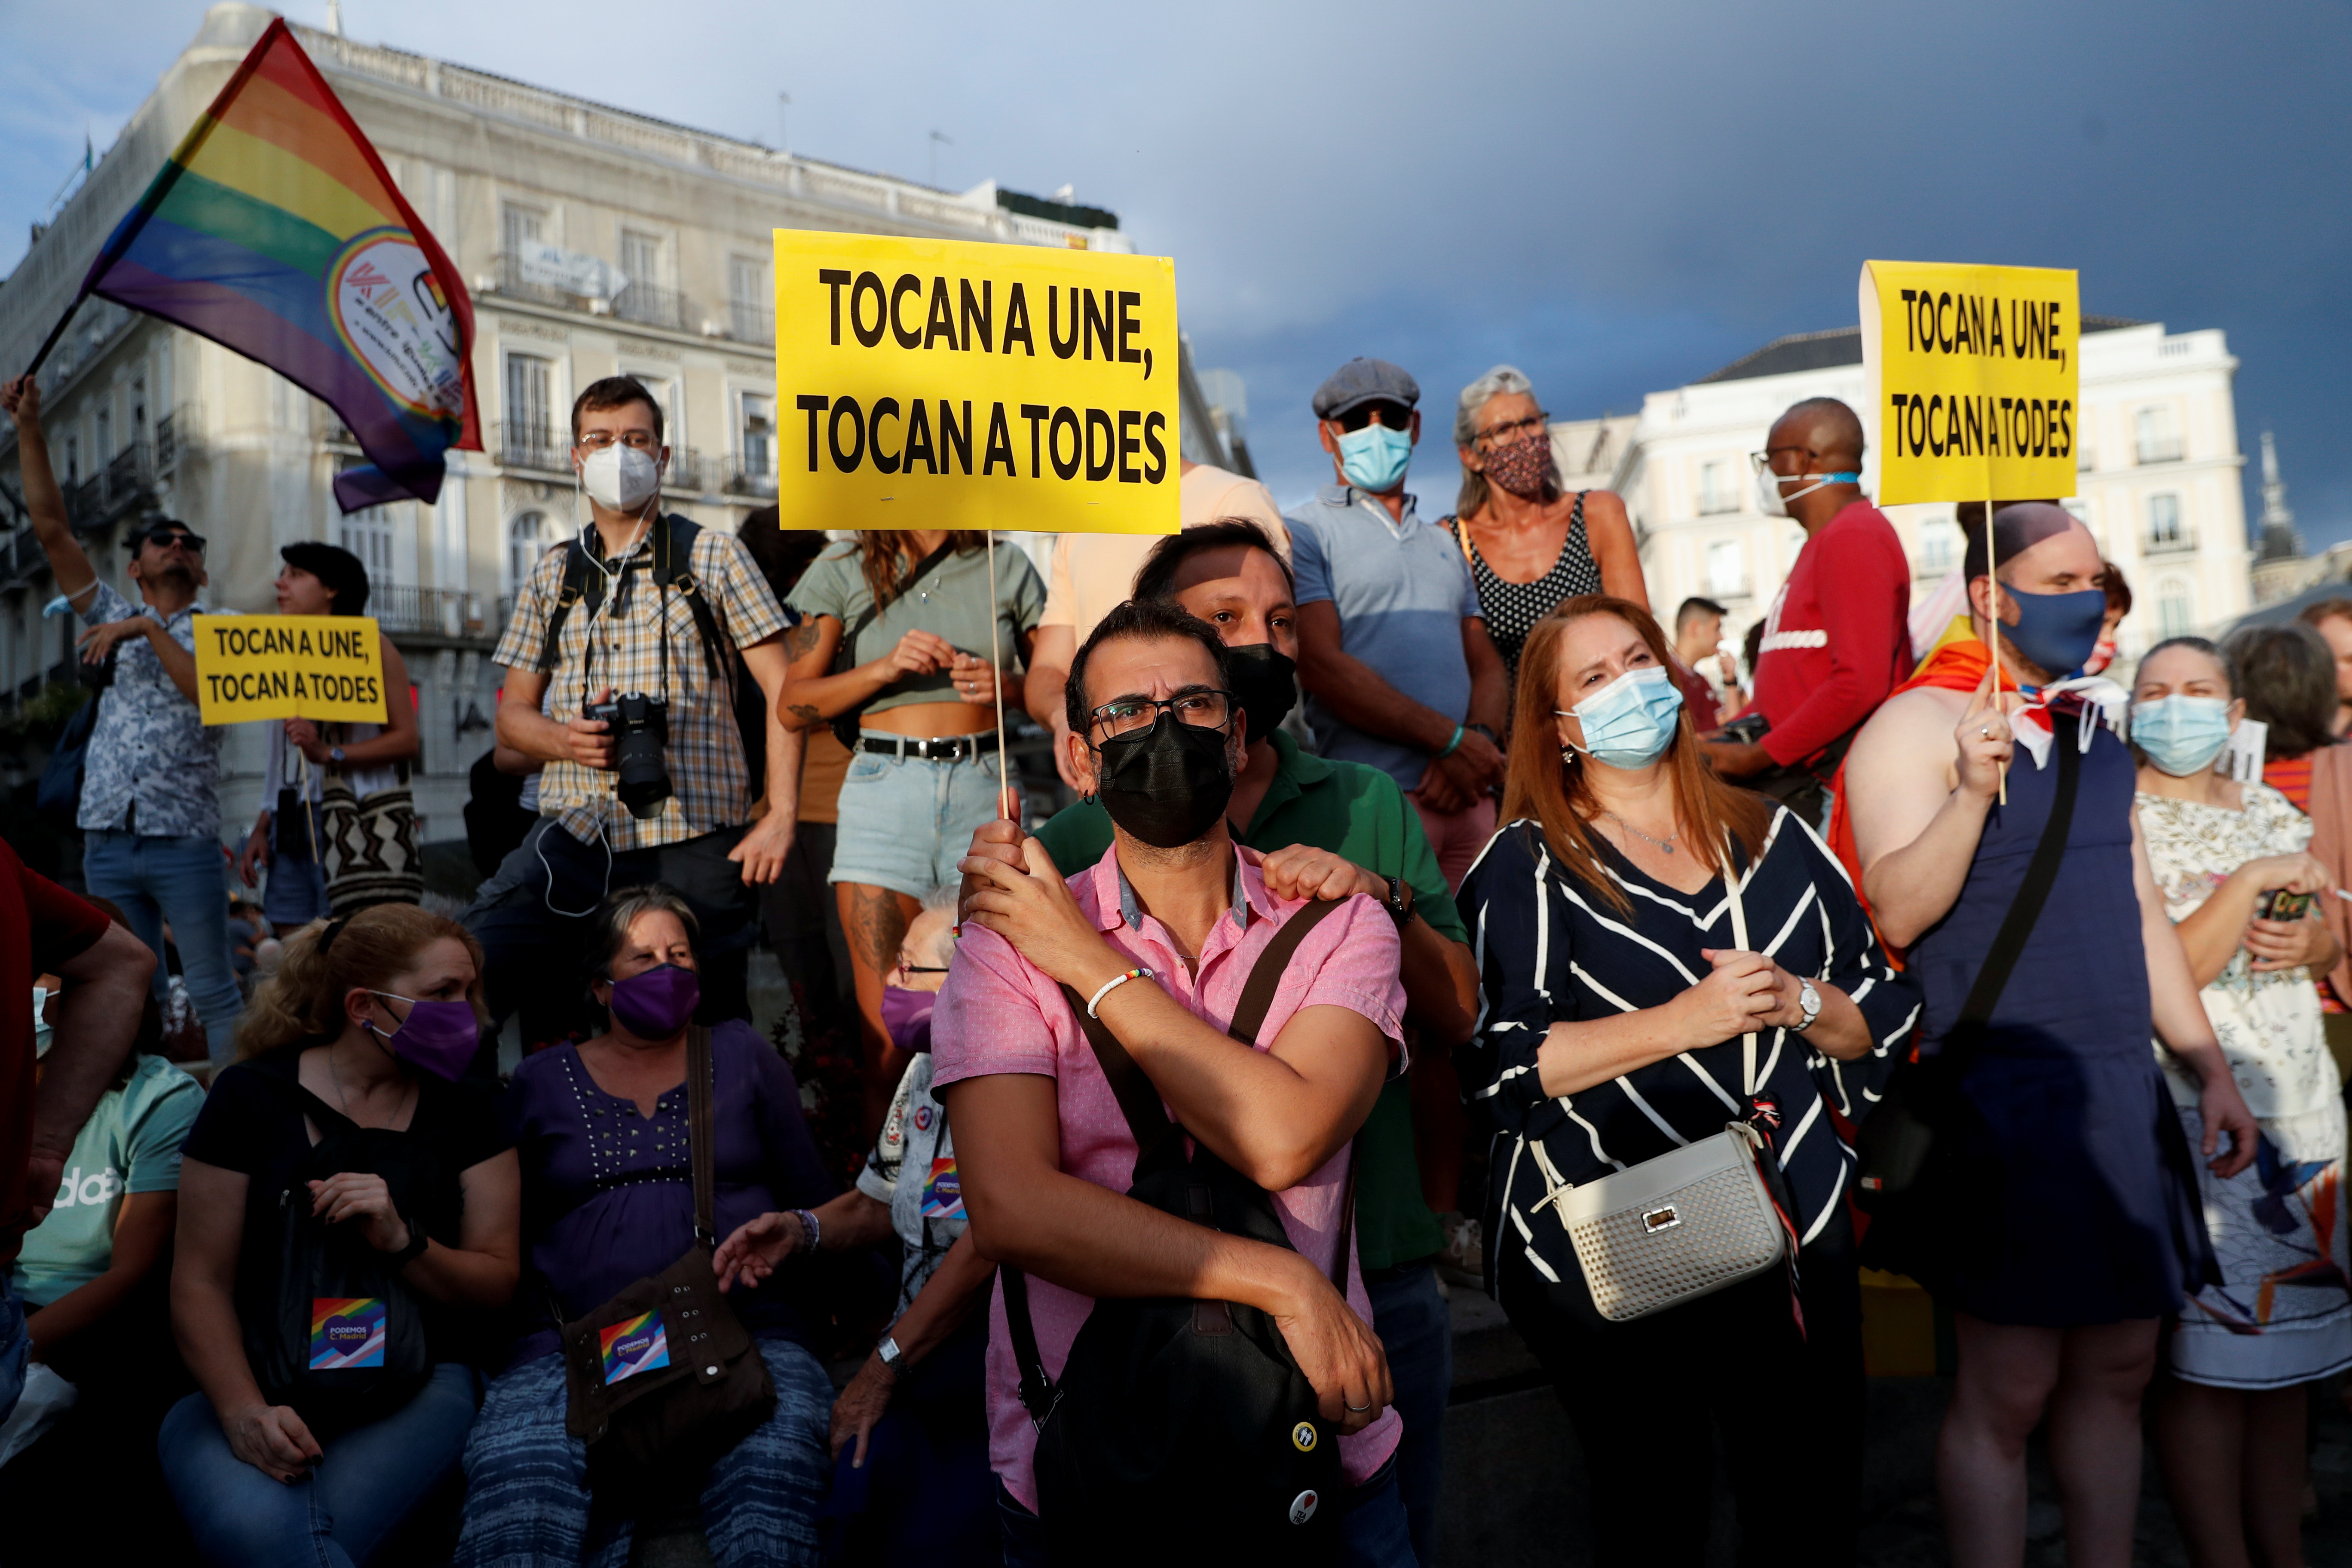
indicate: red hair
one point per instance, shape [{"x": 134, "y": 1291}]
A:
[{"x": 1557, "y": 792}]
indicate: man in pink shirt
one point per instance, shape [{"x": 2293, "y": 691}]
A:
[{"x": 1160, "y": 936}]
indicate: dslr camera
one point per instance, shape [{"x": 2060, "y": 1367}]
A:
[{"x": 639, "y": 726}]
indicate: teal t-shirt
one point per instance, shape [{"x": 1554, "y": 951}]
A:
[
  {"x": 1359, "y": 813},
  {"x": 130, "y": 1145},
  {"x": 950, "y": 601}
]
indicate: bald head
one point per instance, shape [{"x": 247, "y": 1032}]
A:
[
  {"x": 2016, "y": 529},
  {"x": 1823, "y": 426}
]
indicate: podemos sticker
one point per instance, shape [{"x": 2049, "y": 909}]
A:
[
  {"x": 634, "y": 1345},
  {"x": 346, "y": 1331}
]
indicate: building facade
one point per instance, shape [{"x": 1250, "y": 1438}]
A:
[
  {"x": 594, "y": 241},
  {"x": 2158, "y": 480}
]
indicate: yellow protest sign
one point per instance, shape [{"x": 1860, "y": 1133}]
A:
[
  {"x": 1975, "y": 376},
  {"x": 955, "y": 384},
  {"x": 288, "y": 666}
]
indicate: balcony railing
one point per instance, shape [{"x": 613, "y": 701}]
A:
[
  {"x": 535, "y": 444},
  {"x": 750, "y": 322},
  {"x": 689, "y": 472},
  {"x": 752, "y": 476},
  {"x": 2165, "y": 451},
  {"x": 176, "y": 432},
  {"x": 2169, "y": 541},
  {"x": 641, "y": 302},
  {"x": 444, "y": 611},
  {"x": 509, "y": 281}
]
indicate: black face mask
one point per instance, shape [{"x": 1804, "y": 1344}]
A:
[
  {"x": 1165, "y": 786},
  {"x": 1266, "y": 682}
]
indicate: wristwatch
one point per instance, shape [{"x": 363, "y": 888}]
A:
[
  {"x": 888, "y": 1353},
  {"x": 335, "y": 755},
  {"x": 1399, "y": 903},
  {"x": 417, "y": 1242},
  {"x": 1811, "y": 1000}
]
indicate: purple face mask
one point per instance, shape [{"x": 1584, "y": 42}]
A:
[
  {"x": 655, "y": 1004},
  {"x": 438, "y": 1036},
  {"x": 907, "y": 1016}
]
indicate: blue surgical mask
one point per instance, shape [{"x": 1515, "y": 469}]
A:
[
  {"x": 1630, "y": 722},
  {"x": 2181, "y": 735},
  {"x": 2058, "y": 632},
  {"x": 1375, "y": 457}
]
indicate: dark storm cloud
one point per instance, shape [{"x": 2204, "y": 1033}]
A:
[{"x": 1616, "y": 202}]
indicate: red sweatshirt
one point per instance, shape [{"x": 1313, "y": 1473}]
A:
[{"x": 1839, "y": 638}]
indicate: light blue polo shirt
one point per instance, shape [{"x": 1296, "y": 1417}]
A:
[{"x": 1403, "y": 592}]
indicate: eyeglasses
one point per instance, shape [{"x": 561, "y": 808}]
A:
[
  {"x": 1504, "y": 433},
  {"x": 194, "y": 542},
  {"x": 906, "y": 968},
  {"x": 634, "y": 440},
  {"x": 1763, "y": 459},
  {"x": 1202, "y": 707},
  {"x": 1392, "y": 416}
]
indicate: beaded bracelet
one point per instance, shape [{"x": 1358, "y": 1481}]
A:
[{"x": 1111, "y": 984}]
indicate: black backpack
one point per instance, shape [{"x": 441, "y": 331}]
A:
[
  {"x": 1183, "y": 1430},
  {"x": 671, "y": 567},
  {"x": 339, "y": 1336}
]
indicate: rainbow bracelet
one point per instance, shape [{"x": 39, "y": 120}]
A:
[{"x": 1113, "y": 984}]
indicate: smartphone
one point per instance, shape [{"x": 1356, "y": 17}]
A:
[{"x": 2278, "y": 904}]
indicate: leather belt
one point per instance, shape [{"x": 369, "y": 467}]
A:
[{"x": 941, "y": 749}]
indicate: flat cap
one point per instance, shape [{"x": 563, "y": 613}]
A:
[{"x": 1362, "y": 381}]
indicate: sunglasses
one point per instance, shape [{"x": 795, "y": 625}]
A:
[
  {"x": 170, "y": 536},
  {"x": 1392, "y": 416}
]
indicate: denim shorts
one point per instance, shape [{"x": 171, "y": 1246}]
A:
[{"x": 906, "y": 821}]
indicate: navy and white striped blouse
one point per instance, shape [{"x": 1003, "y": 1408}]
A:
[{"x": 1549, "y": 949}]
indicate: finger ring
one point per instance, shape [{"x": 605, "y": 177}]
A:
[
  {"x": 1359, "y": 1409},
  {"x": 1986, "y": 730}
]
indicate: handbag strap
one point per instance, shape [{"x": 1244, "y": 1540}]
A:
[
  {"x": 702, "y": 1143},
  {"x": 1265, "y": 976},
  {"x": 1731, "y": 875},
  {"x": 2009, "y": 944}
]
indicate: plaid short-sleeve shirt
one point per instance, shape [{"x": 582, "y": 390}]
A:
[{"x": 621, "y": 646}]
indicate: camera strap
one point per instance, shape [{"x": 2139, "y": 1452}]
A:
[{"x": 672, "y": 540}]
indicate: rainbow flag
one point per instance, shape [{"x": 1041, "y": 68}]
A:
[{"x": 275, "y": 231}]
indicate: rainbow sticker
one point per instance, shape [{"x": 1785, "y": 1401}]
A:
[
  {"x": 943, "y": 1193},
  {"x": 634, "y": 1345},
  {"x": 346, "y": 1331}
]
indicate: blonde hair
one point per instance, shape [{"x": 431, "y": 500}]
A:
[{"x": 304, "y": 1000}]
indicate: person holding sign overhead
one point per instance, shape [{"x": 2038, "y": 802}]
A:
[
  {"x": 1837, "y": 638},
  {"x": 894, "y": 654},
  {"x": 325, "y": 580},
  {"x": 626, "y": 632},
  {"x": 149, "y": 810},
  {"x": 2056, "y": 1214}
]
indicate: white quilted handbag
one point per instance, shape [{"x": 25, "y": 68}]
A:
[{"x": 1680, "y": 1226}]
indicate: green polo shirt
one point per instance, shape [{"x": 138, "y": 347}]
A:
[{"x": 1359, "y": 813}]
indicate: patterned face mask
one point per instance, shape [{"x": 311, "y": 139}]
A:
[{"x": 1522, "y": 467}]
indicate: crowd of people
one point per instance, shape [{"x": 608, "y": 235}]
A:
[{"x": 1432, "y": 915}]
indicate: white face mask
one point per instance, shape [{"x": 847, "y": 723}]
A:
[
  {"x": 1772, "y": 503},
  {"x": 620, "y": 478}
]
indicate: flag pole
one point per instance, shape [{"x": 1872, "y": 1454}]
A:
[
  {"x": 1992, "y": 592},
  {"x": 55, "y": 333}
]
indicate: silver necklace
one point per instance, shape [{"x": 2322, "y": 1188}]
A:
[{"x": 1665, "y": 844}]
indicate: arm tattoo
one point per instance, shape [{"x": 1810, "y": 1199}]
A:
[
  {"x": 806, "y": 713},
  {"x": 800, "y": 641}
]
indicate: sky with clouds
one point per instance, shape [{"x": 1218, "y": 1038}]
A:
[{"x": 1617, "y": 200}]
